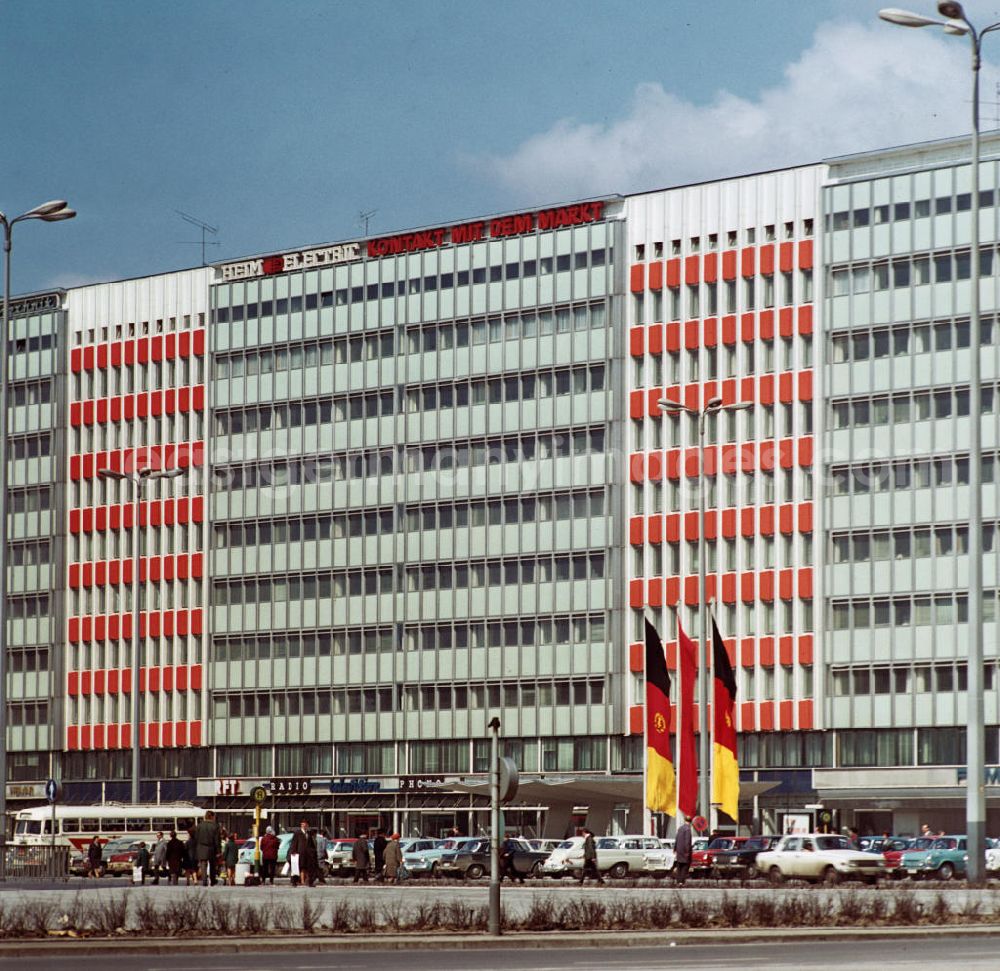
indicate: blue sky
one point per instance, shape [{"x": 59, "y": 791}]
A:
[{"x": 279, "y": 121}]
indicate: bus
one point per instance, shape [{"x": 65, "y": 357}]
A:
[{"x": 77, "y": 825}]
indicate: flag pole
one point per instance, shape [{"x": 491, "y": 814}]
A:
[
  {"x": 678, "y": 753},
  {"x": 647, "y": 813}
]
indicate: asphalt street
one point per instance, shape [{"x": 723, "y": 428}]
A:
[{"x": 969, "y": 953}]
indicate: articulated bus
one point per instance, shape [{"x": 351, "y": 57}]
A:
[{"x": 77, "y": 825}]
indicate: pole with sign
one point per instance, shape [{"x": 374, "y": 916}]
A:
[
  {"x": 259, "y": 794},
  {"x": 53, "y": 792},
  {"x": 503, "y": 788}
]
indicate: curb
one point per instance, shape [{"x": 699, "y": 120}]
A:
[{"x": 477, "y": 942}]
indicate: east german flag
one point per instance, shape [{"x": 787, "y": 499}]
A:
[
  {"x": 661, "y": 788},
  {"x": 687, "y": 758},
  {"x": 726, "y": 770}
]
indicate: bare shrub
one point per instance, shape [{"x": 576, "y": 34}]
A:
[
  {"x": 250, "y": 919},
  {"x": 907, "y": 909},
  {"x": 762, "y": 911},
  {"x": 187, "y": 913},
  {"x": 731, "y": 911},
  {"x": 341, "y": 917},
  {"x": 223, "y": 918},
  {"x": 541, "y": 916},
  {"x": 281, "y": 919},
  {"x": 110, "y": 914},
  {"x": 148, "y": 917},
  {"x": 311, "y": 914},
  {"x": 940, "y": 910}
]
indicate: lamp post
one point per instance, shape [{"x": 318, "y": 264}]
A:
[
  {"x": 138, "y": 478},
  {"x": 49, "y": 212},
  {"x": 956, "y": 22},
  {"x": 712, "y": 407}
]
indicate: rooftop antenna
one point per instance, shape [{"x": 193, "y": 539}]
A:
[
  {"x": 364, "y": 218},
  {"x": 205, "y": 228}
]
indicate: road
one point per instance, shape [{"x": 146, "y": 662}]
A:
[{"x": 969, "y": 953}]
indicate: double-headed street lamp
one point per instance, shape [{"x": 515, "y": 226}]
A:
[
  {"x": 956, "y": 22},
  {"x": 711, "y": 407},
  {"x": 49, "y": 212},
  {"x": 138, "y": 478}
]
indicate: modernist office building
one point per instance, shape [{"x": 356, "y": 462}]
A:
[{"x": 428, "y": 482}]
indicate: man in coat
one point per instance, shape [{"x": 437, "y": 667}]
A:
[
  {"x": 174, "y": 856},
  {"x": 682, "y": 853},
  {"x": 269, "y": 846},
  {"x": 590, "y": 858},
  {"x": 378, "y": 847},
  {"x": 159, "y": 857},
  {"x": 207, "y": 843},
  {"x": 361, "y": 857},
  {"x": 304, "y": 845}
]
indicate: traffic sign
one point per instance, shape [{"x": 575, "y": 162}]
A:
[
  {"x": 259, "y": 794},
  {"x": 508, "y": 780},
  {"x": 700, "y": 824},
  {"x": 53, "y": 790}
]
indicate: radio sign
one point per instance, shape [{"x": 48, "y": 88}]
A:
[{"x": 290, "y": 787}]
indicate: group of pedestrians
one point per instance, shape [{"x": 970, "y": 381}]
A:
[{"x": 385, "y": 853}]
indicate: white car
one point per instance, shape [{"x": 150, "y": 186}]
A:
[
  {"x": 617, "y": 856},
  {"x": 819, "y": 857},
  {"x": 993, "y": 857}
]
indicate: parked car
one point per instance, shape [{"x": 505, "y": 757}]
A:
[
  {"x": 893, "y": 849},
  {"x": 339, "y": 859},
  {"x": 617, "y": 856},
  {"x": 699, "y": 851},
  {"x": 706, "y": 861},
  {"x": 993, "y": 857},
  {"x": 544, "y": 844},
  {"x": 245, "y": 854},
  {"x": 819, "y": 857},
  {"x": 741, "y": 860},
  {"x": 420, "y": 856},
  {"x": 945, "y": 858},
  {"x": 119, "y": 856},
  {"x": 469, "y": 859}
]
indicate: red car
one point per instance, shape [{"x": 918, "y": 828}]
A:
[
  {"x": 702, "y": 860},
  {"x": 893, "y": 848}
]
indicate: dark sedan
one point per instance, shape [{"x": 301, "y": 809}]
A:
[
  {"x": 741, "y": 860},
  {"x": 471, "y": 859}
]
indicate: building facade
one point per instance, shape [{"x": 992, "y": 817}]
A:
[{"x": 427, "y": 482}]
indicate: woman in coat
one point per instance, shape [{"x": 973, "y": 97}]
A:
[{"x": 393, "y": 859}]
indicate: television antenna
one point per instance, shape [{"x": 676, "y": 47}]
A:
[
  {"x": 205, "y": 228},
  {"x": 364, "y": 218}
]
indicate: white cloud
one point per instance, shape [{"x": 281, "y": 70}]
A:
[{"x": 858, "y": 87}]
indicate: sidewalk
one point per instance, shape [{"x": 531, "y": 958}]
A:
[{"x": 387, "y": 941}]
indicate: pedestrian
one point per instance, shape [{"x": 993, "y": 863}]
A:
[
  {"x": 507, "y": 869},
  {"x": 190, "y": 858},
  {"x": 269, "y": 845},
  {"x": 174, "y": 856},
  {"x": 589, "y": 858},
  {"x": 322, "y": 845},
  {"x": 207, "y": 841},
  {"x": 141, "y": 865},
  {"x": 230, "y": 856},
  {"x": 361, "y": 857},
  {"x": 304, "y": 846},
  {"x": 159, "y": 858},
  {"x": 854, "y": 839},
  {"x": 378, "y": 848},
  {"x": 682, "y": 853},
  {"x": 925, "y": 830},
  {"x": 393, "y": 859},
  {"x": 95, "y": 857}
]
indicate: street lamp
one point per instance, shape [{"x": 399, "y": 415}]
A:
[
  {"x": 138, "y": 478},
  {"x": 956, "y": 22},
  {"x": 711, "y": 407},
  {"x": 49, "y": 212}
]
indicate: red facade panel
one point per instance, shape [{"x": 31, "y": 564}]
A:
[
  {"x": 656, "y": 275},
  {"x": 673, "y": 273},
  {"x": 691, "y": 270},
  {"x": 637, "y": 278}
]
